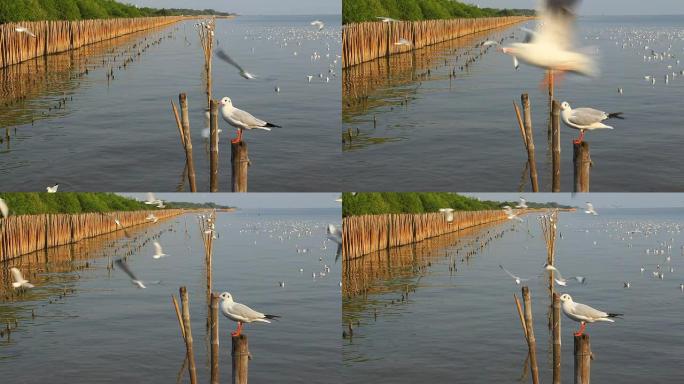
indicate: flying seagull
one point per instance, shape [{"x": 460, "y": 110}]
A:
[
  {"x": 385, "y": 19},
  {"x": 590, "y": 209},
  {"x": 221, "y": 54},
  {"x": 522, "y": 204},
  {"x": 124, "y": 267},
  {"x": 241, "y": 119},
  {"x": 403, "y": 42},
  {"x": 151, "y": 217},
  {"x": 241, "y": 313},
  {"x": 4, "y": 210},
  {"x": 19, "y": 281},
  {"x": 517, "y": 279},
  {"x": 158, "y": 253},
  {"x": 448, "y": 214},
  {"x": 583, "y": 313},
  {"x": 24, "y": 30},
  {"x": 334, "y": 234},
  {"x": 559, "y": 278},
  {"x": 586, "y": 119},
  {"x": 319, "y": 24},
  {"x": 510, "y": 214}
]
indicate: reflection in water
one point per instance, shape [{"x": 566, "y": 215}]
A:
[{"x": 393, "y": 82}]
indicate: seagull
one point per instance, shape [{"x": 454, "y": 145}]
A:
[
  {"x": 560, "y": 280},
  {"x": 241, "y": 119},
  {"x": 510, "y": 214},
  {"x": 586, "y": 119},
  {"x": 583, "y": 313},
  {"x": 551, "y": 46},
  {"x": 448, "y": 214},
  {"x": 19, "y": 281},
  {"x": 309, "y": 77},
  {"x": 334, "y": 234},
  {"x": 24, "y": 30},
  {"x": 124, "y": 267},
  {"x": 151, "y": 217},
  {"x": 627, "y": 284},
  {"x": 590, "y": 209},
  {"x": 319, "y": 24},
  {"x": 522, "y": 204},
  {"x": 4, "y": 210},
  {"x": 52, "y": 189},
  {"x": 403, "y": 42},
  {"x": 152, "y": 200},
  {"x": 517, "y": 279},
  {"x": 221, "y": 54},
  {"x": 158, "y": 253},
  {"x": 241, "y": 313},
  {"x": 385, "y": 19}
]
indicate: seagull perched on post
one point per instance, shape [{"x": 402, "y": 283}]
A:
[
  {"x": 19, "y": 281},
  {"x": 583, "y": 313},
  {"x": 241, "y": 313},
  {"x": 586, "y": 119},
  {"x": 241, "y": 119}
]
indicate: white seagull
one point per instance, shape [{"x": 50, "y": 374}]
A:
[
  {"x": 152, "y": 200},
  {"x": 241, "y": 313},
  {"x": 241, "y": 119},
  {"x": 124, "y": 267},
  {"x": 4, "y": 210},
  {"x": 221, "y": 54},
  {"x": 586, "y": 119},
  {"x": 517, "y": 279},
  {"x": 550, "y": 47},
  {"x": 158, "y": 252},
  {"x": 510, "y": 214},
  {"x": 52, "y": 189},
  {"x": 24, "y": 30},
  {"x": 19, "y": 281},
  {"x": 522, "y": 204},
  {"x": 590, "y": 209},
  {"x": 583, "y": 313},
  {"x": 403, "y": 42},
  {"x": 559, "y": 278},
  {"x": 319, "y": 24},
  {"x": 385, "y": 19},
  {"x": 334, "y": 234},
  {"x": 448, "y": 214}
]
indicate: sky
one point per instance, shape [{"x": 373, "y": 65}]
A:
[
  {"x": 252, "y": 200},
  {"x": 601, "y": 7},
  {"x": 252, "y": 7},
  {"x": 600, "y": 200}
]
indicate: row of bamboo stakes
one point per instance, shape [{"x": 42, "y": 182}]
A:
[
  {"x": 60, "y": 36},
  {"x": 367, "y": 41},
  {"x": 365, "y": 234},
  {"x": 20, "y": 235}
]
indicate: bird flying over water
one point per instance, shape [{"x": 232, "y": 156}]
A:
[
  {"x": 124, "y": 267},
  {"x": 517, "y": 279},
  {"x": 586, "y": 119},
  {"x": 221, "y": 54},
  {"x": 559, "y": 277},
  {"x": 590, "y": 209},
  {"x": 19, "y": 281},
  {"x": 522, "y": 204},
  {"x": 583, "y": 313},
  {"x": 241, "y": 119},
  {"x": 241, "y": 313},
  {"x": 158, "y": 252},
  {"x": 318, "y": 23},
  {"x": 510, "y": 214}
]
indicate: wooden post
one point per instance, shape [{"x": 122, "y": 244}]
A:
[
  {"x": 581, "y": 159},
  {"x": 556, "y": 147},
  {"x": 214, "y": 339},
  {"x": 582, "y": 359},
  {"x": 240, "y": 356},
  {"x": 185, "y": 120},
  {"x": 239, "y": 159},
  {"x": 527, "y": 113},
  {"x": 531, "y": 341},
  {"x": 185, "y": 303},
  {"x": 556, "y": 339},
  {"x": 213, "y": 147}
]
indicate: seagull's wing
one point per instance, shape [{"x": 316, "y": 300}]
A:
[
  {"x": 221, "y": 54},
  {"x": 245, "y": 311},
  {"x": 509, "y": 273},
  {"x": 4, "y": 210},
  {"x": 587, "y": 311},
  {"x": 16, "y": 275},
  {"x": 338, "y": 253},
  {"x": 124, "y": 267},
  {"x": 590, "y": 206},
  {"x": 247, "y": 119},
  {"x": 157, "y": 248},
  {"x": 587, "y": 116},
  {"x": 557, "y": 18}
]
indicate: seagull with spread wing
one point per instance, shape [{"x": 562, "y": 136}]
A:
[{"x": 221, "y": 54}]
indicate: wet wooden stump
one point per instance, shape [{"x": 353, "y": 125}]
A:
[
  {"x": 240, "y": 357},
  {"x": 582, "y": 359},
  {"x": 581, "y": 159},
  {"x": 239, "y": 159}
]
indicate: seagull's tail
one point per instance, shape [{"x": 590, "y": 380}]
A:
[
  {"x": 269, "y": 125},
  {"x": 27, "y": 285},
  {"x": 615, "y": 314},
  {"x": 16, "y": 285},
  {"x": 616, "y": 115},
  {"x": 272, "y": 317}
]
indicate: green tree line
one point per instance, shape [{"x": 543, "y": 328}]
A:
[
  {"x": 354, "y": 11},
  {"x": 68, "y": 202},
  {"x": 35, "y": 10}
]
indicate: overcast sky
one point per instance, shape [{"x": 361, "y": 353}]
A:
[
  {"x": 252, "y": 7},
  {"x": 600, "y": 200},
  {"x": 253, "y": 200},
  {"x": 601, "y": 7}
]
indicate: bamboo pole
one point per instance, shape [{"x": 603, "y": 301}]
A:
[
  {"x": 214, "y": 147},
  {"x": 192, "y": 370},
  {"x": 240, "y": 358},
  {"x": 530, "y": 141},
  {"x": 214, "y": 339},
  {"x": 531, "y": 341},
  {"x": 556, "y": 339},
  {"x": 581, "y": 160},
  {"x": 556, "y": 146},
  {"x": 239, "y": 159},
  {"x": 185, "y": 119},
  {"x": 582, "y": 353},
  {"x": 179, "y": 316}
]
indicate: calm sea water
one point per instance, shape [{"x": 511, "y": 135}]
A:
[
  {"x": 121, "y": 135},
  {"x": 462, "y": 326},
  {"x": 106, "y": 330},
  {"x": 436, "y": 133}
]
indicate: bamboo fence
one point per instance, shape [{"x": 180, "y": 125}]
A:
[
  {"x": 365, "y": 234},
  {"x": 367, "y": 41},
  {"x": 60, "y": 36},
  {"x": 20, "y": 235}
]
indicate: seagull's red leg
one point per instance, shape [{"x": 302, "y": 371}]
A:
[
  {"x": 237, "y": 331},
  {"x": 580, "y": 138},
  {"x": 581, "y": 330},
  {"x": 238, "y": 138}
]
